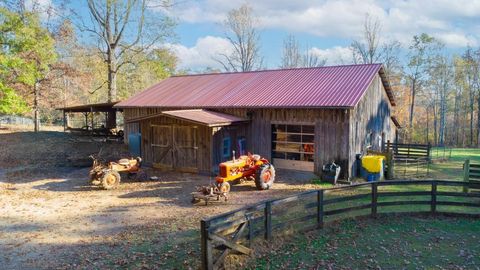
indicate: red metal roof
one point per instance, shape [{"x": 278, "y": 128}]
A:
[
  {"x": 204, "y": 117},
  {"x": 334, "y": 86}
]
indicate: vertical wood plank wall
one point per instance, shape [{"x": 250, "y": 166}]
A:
[{"x": 372, "y": 114}]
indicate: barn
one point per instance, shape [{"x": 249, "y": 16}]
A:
[{"x": 300, "y": 119}]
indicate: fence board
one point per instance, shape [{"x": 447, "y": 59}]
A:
[{"x": 244, "y": 218}]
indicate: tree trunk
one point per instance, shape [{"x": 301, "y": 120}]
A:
[
  {"x": 412, "y": 105},
  {"x": 112, "y": 76},
  {"x": 456, "y": 123},
  {"x": 428, "y": 128},
  {"x": 36, "y": 116},
  {"x": 478, "y": 121},
  {"x": 472, "y": 102}
]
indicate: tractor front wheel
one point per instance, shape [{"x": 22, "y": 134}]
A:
[
  {"x": 110, "y": 179},
  {"x": 224, "y": 187},
  {"x": 265, "y": 177}
]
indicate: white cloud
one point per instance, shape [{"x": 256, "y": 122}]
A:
[
  {"x": 335, "y": 56},
  {"x": 457, "y": 39},
  {"x": 44, "y": 7},
  {"x": 451, "y": 21},
  {"x": 203, "y": 53}
]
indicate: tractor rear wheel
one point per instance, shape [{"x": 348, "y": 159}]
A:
[
  {"x": 265, "y": 177},
  {"x": 110, "y": 179}
]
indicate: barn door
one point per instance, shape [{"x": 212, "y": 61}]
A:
[
  {"x": 162, "y": 146},
  {"x": 185, "y": 147}
]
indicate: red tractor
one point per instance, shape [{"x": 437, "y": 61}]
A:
[{"x": 247, "y": 167}]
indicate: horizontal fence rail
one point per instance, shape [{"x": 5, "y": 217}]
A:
[{"x": 235, "y": 230}]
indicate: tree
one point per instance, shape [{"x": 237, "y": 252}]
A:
[
  {"x": 26, "y": 58},
  {"x": 241, "y": 32},
  {"x": 293, "y": 58},
  {"x": 123, "y": 30},
  {"x": 421, "y": 51},
  {"x": 369, "y": 49}
]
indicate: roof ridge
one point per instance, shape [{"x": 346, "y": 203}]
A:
[{"x": 274, "y": 70}]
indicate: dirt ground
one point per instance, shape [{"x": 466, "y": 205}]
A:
[{"x": 52, "y": 218}]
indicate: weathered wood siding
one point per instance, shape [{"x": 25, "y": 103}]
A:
[
  {"x": 340, "y": 134},
  {"x": 234, "y": 132},
  {"x": 371, "y": 115},
  {"x": 203, "y": 140},
  {"x": 331, "y": 131}
]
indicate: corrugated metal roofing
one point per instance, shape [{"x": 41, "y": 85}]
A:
[
  {"x": 204, "y": 117},
  {"x": 334, "y": 86}
]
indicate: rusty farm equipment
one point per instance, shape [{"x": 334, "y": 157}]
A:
[
  {"x": 246, "y": 167},
  {"x": 107, "y": 174}
]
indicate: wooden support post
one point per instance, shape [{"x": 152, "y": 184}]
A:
[
  {"x": 428, "y": 152},
  {"x": 64, "y": 121},
  {"x": 466, "y": 174},
  {"x": 91, "y": 114},
  {"x": 206, "y": 244},
  {"x": 433, "y": 205},
  {"x": 320, "y": 214},
  {"x": 268, "y": 220},
  {"x": 374, "y": 199}
]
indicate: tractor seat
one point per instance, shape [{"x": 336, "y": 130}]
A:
[{"x": 124, "y": 161}]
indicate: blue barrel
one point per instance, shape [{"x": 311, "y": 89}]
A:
[{"x": 134, "y": 144}]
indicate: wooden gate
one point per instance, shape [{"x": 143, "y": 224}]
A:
[{"x": 174, "y": 147}]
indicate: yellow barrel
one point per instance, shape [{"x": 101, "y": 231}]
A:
[{"x": 373, "y": 164}]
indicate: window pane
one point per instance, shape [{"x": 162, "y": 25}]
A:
[
  {"x": 307, "y": 157},
  {"x": 294, "y": 129},
  {"x": 308, "y": 138},
  {"x": 279, "y": 155},
  {"x": 308, "y": 129},
  {"x": 308, "y": 148},
  {"x": 279, "y": 128},
  {"x": 293, "y": 156},
  {"x": 279, "y": 136},
  {"x": 294, "y": 138}
]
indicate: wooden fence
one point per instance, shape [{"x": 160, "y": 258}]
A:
[
  {"x": 471, "y": 174},
  {"x": 410, "y": 160},
  {"x": 235, "y": 230}
]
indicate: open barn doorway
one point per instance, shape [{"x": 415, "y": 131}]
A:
[{"x": 293, "y": 146}]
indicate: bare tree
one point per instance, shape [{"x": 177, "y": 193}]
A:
[
  {"x": 292, "y": 57},
  {"x": 370, "y": 49},
  {"x": 367, "y": 51},
  {"x": 123, "y": 29},
  {"x": 310, "y": 59},
  {"x": 241, "y": 27}
]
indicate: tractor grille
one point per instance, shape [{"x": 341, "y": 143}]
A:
[{"x": 223, "y": 170}]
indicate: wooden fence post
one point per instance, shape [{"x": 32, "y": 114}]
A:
[
  {"x": 466, "y": 174},
  {"x": 320, "y": 209},
  {"x": 268, "y": 220},
  {"x": 207, "y": 258},
  {"x": 374, "y": 199},
  {"x": 433, "y": 205}
]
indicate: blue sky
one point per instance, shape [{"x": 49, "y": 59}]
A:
[{"x": 326, "y": 27}]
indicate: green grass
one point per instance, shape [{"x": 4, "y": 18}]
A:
[
  {"x": 402, "y": 242},
  {"x": 452, "y": 168},
  {"x": 391, "y": 243}
]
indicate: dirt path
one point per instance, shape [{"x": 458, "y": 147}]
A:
[{"x": 51, "y": 217}]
